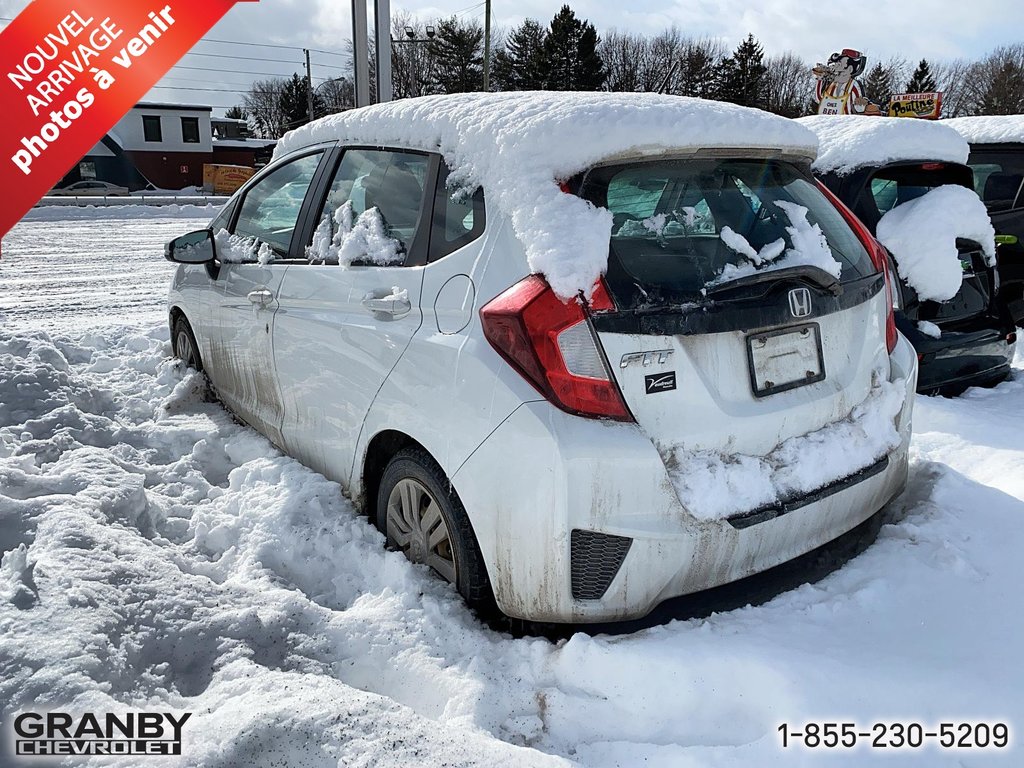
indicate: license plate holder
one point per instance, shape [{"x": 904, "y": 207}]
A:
[{"x": 785, "y": 359}]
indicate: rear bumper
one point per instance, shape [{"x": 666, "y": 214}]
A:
[
  {"x": 543, "y": 474},
  {"x": 958, "y": 360}
]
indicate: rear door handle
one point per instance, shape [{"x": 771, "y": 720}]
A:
[
  {"x": 261, "y": 297},
  {"x": 388, "y": 305}
]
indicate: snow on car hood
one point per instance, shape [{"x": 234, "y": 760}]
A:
[
  {"x": 992, "y": 129},
  {"x": 712, "y": 485},
  {"x": 849, "y": 142},
  {"x": 921, "y": 235},
  {"x": 519, "y": 145}
]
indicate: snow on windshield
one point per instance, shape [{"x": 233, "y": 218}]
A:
[
  {"x": 921, "y": 235},
  {"x": 809, "y": 248},
  {"x": 344, "y": 238},
  {"x": 849, "y": 142},
  {"x": 517, "y": 146}
]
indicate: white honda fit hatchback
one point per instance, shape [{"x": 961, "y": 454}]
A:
[{"x": 577, "y": 353}]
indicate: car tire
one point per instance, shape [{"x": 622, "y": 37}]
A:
[
  {"x": 183, "y": 344},
  {"x": 413, "y": 480}
]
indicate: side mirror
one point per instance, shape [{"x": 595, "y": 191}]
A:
[{"x": 193, "y": 248}]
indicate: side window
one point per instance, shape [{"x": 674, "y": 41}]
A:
[
  {"x": 643, "y": 205},
  {"x": 999, "y": 180},
  {"x": 271, "y": 207},
  {"x": 459, "y": 217},
  {"x": 373, "y": 208}
]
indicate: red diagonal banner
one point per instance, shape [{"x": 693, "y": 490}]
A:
[{"x": 70, "y": 69}]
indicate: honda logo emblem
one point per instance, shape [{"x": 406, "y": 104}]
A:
[{"x": 800, "y": 302}]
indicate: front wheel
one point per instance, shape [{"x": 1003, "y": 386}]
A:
[
  {"x": 420, "y": 513},
  {"x": 183, "y": 343}
]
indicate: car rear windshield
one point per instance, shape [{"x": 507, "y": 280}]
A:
[
  {"x": 667, "y": 237},
  {"x": 900, "y": 184}
]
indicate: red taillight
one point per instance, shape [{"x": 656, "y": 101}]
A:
[
  {"x": 549, "y": 342},
  {"x": 878, "y": 257}
]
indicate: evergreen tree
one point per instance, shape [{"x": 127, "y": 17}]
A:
[
  {"x": 922, "y": 81},
  {"x": 697, "y": 72},
  {"x": 236, "y": 113},
  {"x": 1004, "y": 92},
  {"x": 571, "y": 49},
  {"x": 295, "y": 102},
  {"x": 457, "y": 52},
  {"x": 522, "y": 64},
  {"x": 879, "y": 85},
  {"x": 741, "y": 77}
]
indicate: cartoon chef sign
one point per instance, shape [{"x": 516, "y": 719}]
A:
[{"x": 838, "y": 92}]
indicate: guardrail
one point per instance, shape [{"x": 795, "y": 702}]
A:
[{"x": 86, "y": 200}]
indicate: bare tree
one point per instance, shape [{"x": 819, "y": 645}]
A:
[
  {"x": 951, "y": 77},
  {"x": 789, "y": 85},
  {"x": 626, "y": 57},
  {"x": 412, "y": 61},
  {"x": 336, "y": 95},
  {"x": 995, "y": 85},
  {"x": 665, "y": 51},
  {"x": 264, "y": 104}
]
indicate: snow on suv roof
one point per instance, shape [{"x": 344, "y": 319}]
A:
[
  {"x": 849, "y": 142},
  {"x": 994, "y": 129},
  {"x": 518, "y": 145}
]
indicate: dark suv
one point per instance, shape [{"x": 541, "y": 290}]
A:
[
  {"x": 977, "y": 333},
  {"x": 997, "y": 159}
]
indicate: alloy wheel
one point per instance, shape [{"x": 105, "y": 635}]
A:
[
  {"x": 185, "y": 350},
  {"x": 415, "y": 524}
]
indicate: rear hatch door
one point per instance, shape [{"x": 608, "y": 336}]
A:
[{"x": 733, "y": 366}]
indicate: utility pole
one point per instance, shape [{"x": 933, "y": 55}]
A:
[
  {"x": 487, "y": 46},
  {"x": 309, "y": 87},
  {"x": 360, "y": 53},
  {"x": 382, "y": 19}
]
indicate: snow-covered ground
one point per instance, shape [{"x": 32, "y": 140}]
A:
[{"x": 160, "y": 555}]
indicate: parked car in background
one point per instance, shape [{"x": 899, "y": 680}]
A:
[
  {"x": 997, "y": 159},
  {"x": 91, "y": 189},
  {"x": 577, "y": 353},
  {"x": 876, "y": 165}
]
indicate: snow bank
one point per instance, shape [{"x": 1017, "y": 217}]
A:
[
  {"x": 994, "y": 129},
  {"x": 921, "y": 235},
  {"x": 712, "y": 485},
  {"x": 156, "y": 555},
  {"x": 519, "y": 145},
  {"x": 94, "y": 212},
  {"x": 810, "y": 248},
  {"x": 849, "y": 142}
]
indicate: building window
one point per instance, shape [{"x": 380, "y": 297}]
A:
[
  {"x": 151, "y": 128},
  {"x": 87, "y": 169},
  {"x": 190, "y": 130}
]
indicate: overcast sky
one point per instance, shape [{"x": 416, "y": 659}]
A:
[{"x": 881, "y": 28}]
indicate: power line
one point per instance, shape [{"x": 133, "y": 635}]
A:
[
  {"x": 272, "y": 45},
  {"x": 241, "y": 58}
]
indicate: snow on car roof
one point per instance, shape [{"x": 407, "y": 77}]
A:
[
  {"x": 993, "y": 129},
  {"x": 518, "y": 145},
  {"x": 849, "y": 142}
]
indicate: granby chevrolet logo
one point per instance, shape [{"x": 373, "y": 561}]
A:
[{"x": 134, "y": 733}]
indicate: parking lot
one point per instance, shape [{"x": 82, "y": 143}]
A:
[{"x": 173, "y": 556}]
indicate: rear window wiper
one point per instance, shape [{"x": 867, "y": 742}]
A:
[{"x": 811, "y": 274}]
